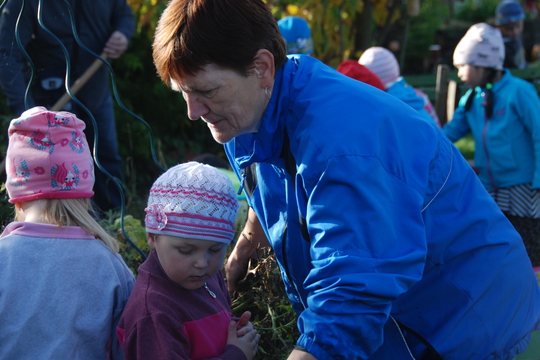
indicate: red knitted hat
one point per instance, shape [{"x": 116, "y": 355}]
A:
[{"x": 354, "y": 70}]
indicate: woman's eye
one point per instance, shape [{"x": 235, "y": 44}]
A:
[{"x": 208, "y": 93}]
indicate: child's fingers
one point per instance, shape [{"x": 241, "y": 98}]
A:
[{"x": 244, "y": 319}]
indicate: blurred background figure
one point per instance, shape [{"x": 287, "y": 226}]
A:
[
  {"x": 384, "y": 64},
  {"x": 509, "y": 18},
  {"x": 103, "y": 27},
  {"x": 297, "y": 34},
  {"x": 354, "y": 70}
]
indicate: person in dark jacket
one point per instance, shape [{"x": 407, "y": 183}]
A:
[
  {"x": 509, "y": 18},
  {"x": 388, "y": 243},
  {"x": 103, "y": 26}
]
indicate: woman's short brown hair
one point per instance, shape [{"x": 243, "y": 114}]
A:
[{"x": 194, "y": 33}]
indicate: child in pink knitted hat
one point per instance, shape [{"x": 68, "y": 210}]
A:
[
  {"x": 63, "y": 284},
  {"x": 180, "y": 304}
]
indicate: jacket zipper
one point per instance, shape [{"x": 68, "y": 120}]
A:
[
  {"x": 212, "y": 294},
  {"x": 484, "y": 139},
  {"x": 286, "y": 267}
]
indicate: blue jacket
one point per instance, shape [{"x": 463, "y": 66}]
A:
[
  {"x": 398, "y": 224},
  {"x": 507, "y": 150},
  {"x": 404, "y": 92}
]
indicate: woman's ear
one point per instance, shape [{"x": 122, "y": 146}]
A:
[{"x": 264, "y": 68}]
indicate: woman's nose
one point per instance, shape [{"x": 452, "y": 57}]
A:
[{"x": 196, "y": 109}]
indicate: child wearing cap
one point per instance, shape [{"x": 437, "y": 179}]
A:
[
  {"x": 297, "y": 34},
  {"x": 354, "y": 70},
  {"x": 180, "y": 306},
  {"x": 503, "y": 114},
  {"x": 63, "y": 285},
  {"x": 384, "y": 64},
  {"x": 509, "y": 18}
]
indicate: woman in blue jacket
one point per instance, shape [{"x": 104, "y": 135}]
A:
[
  {"x": 503, "y": 114},
  {"x": 388, "y": 243}
]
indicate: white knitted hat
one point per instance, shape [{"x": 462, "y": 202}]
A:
[
  {"x": 482, "y": 45},
  {"x": 194, "y": 201},
  {"x": 382, "y": 62}
]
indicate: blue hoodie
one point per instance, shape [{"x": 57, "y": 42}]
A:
[
  {"x": 404, "y": 92},
  {"x": 507, "y": 150},
  {"x": 398, "y": 224}
]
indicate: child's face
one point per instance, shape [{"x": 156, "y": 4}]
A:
[
  {"x": 511, "y": 30},
  {"x": 188, "y": 262},
  {"x": 472, "y": 76}
]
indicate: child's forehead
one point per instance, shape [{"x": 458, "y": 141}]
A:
[{"x": 184, "y": 241}]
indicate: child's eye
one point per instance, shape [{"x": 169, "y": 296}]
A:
[
  {"x": 216, "y": 250},
  {"x": 185, "y": 251}
]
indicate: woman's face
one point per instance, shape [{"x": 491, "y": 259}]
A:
[
  {"x": 188, "y": 262},
  {"x": 472, "y": 76},
  {"x": 231, "y": 104}
]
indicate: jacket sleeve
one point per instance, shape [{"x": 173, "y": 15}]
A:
[
  {"x": 123, "y": 20},
  {"x": 527, "y": 105},
  {"x": 12, "y": 80},
  {"x": 122, "y": 293},
  {"x": 458, "y": 127},
  {"x": 367, "y": 247},
  {"x": 156, "y": 337}
]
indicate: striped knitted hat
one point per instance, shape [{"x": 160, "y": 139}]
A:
[
  {"x": 193, "y": 201},
  {"x": 382, "y": 62}
]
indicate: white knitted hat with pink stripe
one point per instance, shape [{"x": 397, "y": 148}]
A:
[
  {"x": 193, "y": 201},
  {"x": 382, "y": 62}
]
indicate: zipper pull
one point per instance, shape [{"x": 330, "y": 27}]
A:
[{"x": 212, "y": 294}]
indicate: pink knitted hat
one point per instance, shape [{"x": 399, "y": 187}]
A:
[
  {"x": 193, "y": 201},
  {"x": 48, "y": 157},
  {"x": 382, "y": 62}
]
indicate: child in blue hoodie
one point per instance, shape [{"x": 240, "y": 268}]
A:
[
  {"x": 384, "y": 64},
  {"x": 503, "y": 114}
]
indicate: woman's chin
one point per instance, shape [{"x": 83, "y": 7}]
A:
[{"x": 222, "y": 137}]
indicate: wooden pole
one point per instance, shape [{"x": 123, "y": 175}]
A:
[{"x": 79, "y": 83}]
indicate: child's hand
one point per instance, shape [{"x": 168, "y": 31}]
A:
[
  {"x": 243, "y": 322},
  {"x": 247, "y": 342}
]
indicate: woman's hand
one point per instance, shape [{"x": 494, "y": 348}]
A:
[
  {"x": 250, "y": 241},
  {"x": 247, "y": 342},
  {"x": 301, "y": 355}
]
